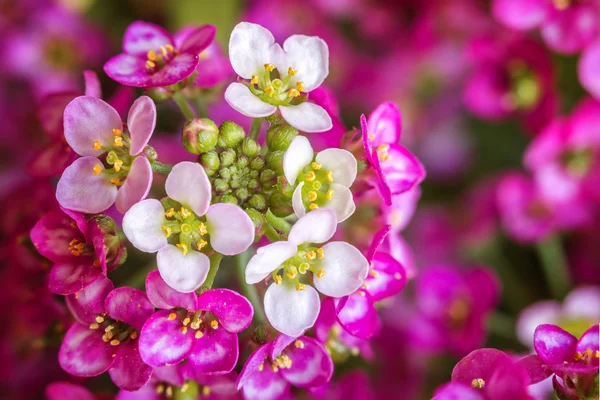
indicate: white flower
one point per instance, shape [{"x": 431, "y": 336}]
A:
[
  {"x": 324, "y": 182},
  {"x": 301, "y": 66},
  {"x": 338, "y": 268}
]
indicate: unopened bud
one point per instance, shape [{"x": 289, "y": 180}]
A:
[
  {"x": 257, "y": 163},
  {"x": 242, "y": 194},
  {"x": 221, "y": 185},
  {"x": 225, "y": 173},
  {"x": 250, "y": 147},
  {"x": 275, "y": 161},
  {"x": 150, "y": 153},
  {"x": 210, "y": 161},
  {"x": 160, "y": 94},
  {"x": 200, "y": 135},
  {"x": 268, "y": 177},
  {"x": 274, "y": 119},
  {"x": 227, "y": 157},
  {"x": 280, "y": 205},
  {"x": 257, "y": 201},
  {"x": 242, "y": 161},
  {"x": 231, "y": 134},
  {"x": 227, "y": 198},
  {"x": 253, "y": 184},
  {"x": 279, "y": 137},
  {"x": 116, "y": 253}
]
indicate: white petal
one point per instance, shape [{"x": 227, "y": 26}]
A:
[
  {"x": 184, "y": 273},
  {"x": 309, "y": 56},
  {"x": 345, "y": 270},
  {"x": 291, "y": 311},
  {"x": 231, "y": 229},
  {"x": 297, "y": 203},
  {"x": 307, "y": 117},
  {"x": 188, "y": 184},
  {"x": 267, "y": 259},
  {"x": 142, "y": 225},
  {"x": 250, "y": 47},
  {"x": 241, "y": 99},
  {"x": 296, "y": 157},
  {"x": 318, "y": 226},
  {"x": 341, "y": 162},
  {"x": 342, "y": 202}
]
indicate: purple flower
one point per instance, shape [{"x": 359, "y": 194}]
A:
[
  {"x": 386, "y": 276},
  {"x": 396, "y": 169},
  {"x": 200, "y": 328},
  {"x": 589, "y": 67},
  {"x": 153, "y": 58},
  {"x": 66, "y": 390},
  {"x": 93, "y": 128},
  {"x": 269, "y": 371},
  {"x": 105, "y": 336},
  {"x": 188, "y": 215}
]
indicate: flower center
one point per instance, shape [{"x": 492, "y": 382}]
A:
[
  {"x": 188, "y": 225},
  {"x": 155, "y": 61},
  {"x": 458, "y": 312},
  {"x": 525, "y": 89},
  {"x": 561, "y": 4},
  {"x": 578, "y": 162},
  {"x": 294, "y": 269},
  {"x": 575, "y": 326},
  {"x": 478, "y": 383},
  {"x": 271, "y": 86},
  {"x": 194, "y": 322},
  {"x": 118, "y": 160},
  {"x": 61, "y": 54},
  {"x": 115, "y": 332},
  {"x": 316, "y": 191}
]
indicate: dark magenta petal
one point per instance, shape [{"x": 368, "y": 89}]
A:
[
  {"x": 387, "y": 277},
  {"x": 367, "y": 145},
  {"x": 381, "y": 180},
  {"x": 51, "y": 236},
  {"x": 233, "y": 310},
  {"x": 553, "y": 344},
  {"x": 51, "y": 161},
  {"x": 88, "y": 303},
  {"x": 141, "y": 37},
  {"x": 129, "y": 305},
  {"x": 507, "y": 382},
  {"x": 97, "y": 238},
  {"x": 83, "y": 353},
  {"x": 479, "y": 364},
  {"x": 589, "y": 340},
  {"x": 485, "y": 92},
  {"x": 311, "y": 363},
  {"x": 51, "y": 110},
  {"x": 92, "y": 84},
  {"x": 162, "y": 341},
  {"x": 216, "y": 352},
  {"x": 377, "y": 240},
  {"x": 457, "y": 391},
  {"x": 266, "y": 385},
  {"x": 280, "y": 343},
  {"x": 484, "y": 287},
  {"x": 221, "y": 386},
  {"x": 326, "y": 320},
  {"x": 253, "y": 364},
  {"x": 79, "y": 219},
  {"x": 385, "y": 124},
  {"x": 72, "y": 276},
  {"x": 402, "y": 170},
  {"x": 66, "y": 390},
  {"x": 131, "y": 71},
  {"x": 197, "y": 39},
  {"x": 535, "y": 368},
  {"x": 128, "y": 371},
  {"x": 165, "y": 297},
  {"x": 359, "y": 316},
  {"x": 173, "y": 374}
]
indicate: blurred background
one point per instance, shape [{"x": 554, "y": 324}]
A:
[{"x": 473, "y": 95}]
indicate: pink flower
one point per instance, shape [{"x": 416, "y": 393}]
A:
[
  {"x": 93, "y": 128},
  {"x": 589, "y": 67},
  {"x": 188, "y": 215},
  {"x": 386, "y": 276},
  {"x": 201, "y": 328},
  {"x": 105, "y": 336},
  {"x": 153, "y": 58},
  {"x": 66, "y": 390}
]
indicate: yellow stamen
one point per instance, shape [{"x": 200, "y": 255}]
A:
[
  {"x": 118, "y": 141},
  {"x": 355, "y": 351},
  {"x": 97, "y": 169},
  {"x": 278, "y": 279},
  {"x": 329, "y": 176},
  {"x": 97, "y": 145},
  {"x": 183, "y": 329},
  {"x": 202, "y": 229},
  {"x": 118, "y": 164},
  {"x": 321, "y": 273},
  {"x": 115, "y": 181},
  {"x": 312, "y": 196},
  {"x": 115, "y": 342},
  {"x": 201, "y": 243},
  {"x": 269, "y": 67},
  {"x": 597, "y": 354},
  {"x": 293, "y": 93},
  {"x": 311, "y": 255},
  {"x": 117, "y": 132},
  {"x": 374, "y": 273},
  {"x": 150, "y": 64},
  {"x": 133, "y": 335},
  {"x": 316, "y": 166},
  {"x": 94, "y": 326},
  {"x": 371, "y": 136},
  {"x": 151, "y": 55},
  {"x": 105, "y": 339},
  {"x": 397, "y": 275},
  {"x": 292, "y": 71},
  {"x": 321, "y": 253},
  {"x": 313, "y": 206},
  {"x": 310, "y": 176},
  {"x": 361, "y": 293},
  {"x": 172, "y": 316},
  {"x": 168, "y": 231},
  {"x": 478, "y": 383},
  {"x": 299, "y": 344},
  {"x": 269, "y": 90},
  {"x": 185, "y": 387},
  {"x": 182, "y": 247},
  {"x": 292, "y": 273},
  {"x": 186, "y": 321},
  {"x": 170, "y": 48},
  {"x": 302, "y": 268},
  {"x": 300, "y": 86},
  {"x": 329, "y": 194},
  {"x": 198, "y": 334},
  {"x": 214, "y": 324},
  {"x": 169, "y": 392},
  {"x": 163, "y": 51},
  {"x": 109, "y": 328},
  {"x": 206, "y": 391},
  {"x": 261, "y": 367},
  {"x": 300, "y": 287},
  {"x": 169, "y": 213},
  {"x": 160, "y": 389},
  {"x": 184, "y": 212},
  {"x": 99, "y": 319},
  {"x": 254, "y": 80}
]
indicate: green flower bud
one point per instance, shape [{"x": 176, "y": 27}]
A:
[
  {"x": 257, "y": 201},
  {"x": 235, "y": 184},
  {"x": 253, "y": 184},
  {"x": 257, "y": 163},
  {"x": 160, "y": 94},
  {"x": 250, "y": 147},
  {"x": 275, "y": 119},
  {"x": 150, "y": 153},
  {"x": 279, "y": 137},
  {"x": 242, "y": 161},
  {"x": 227, "y": 157},
  {"x": 210, "y": 161},
  {"x": 280, "y": 205},
  {"x": 253, "y": 173},
  {"x": 242, "y": 194},
  {"x": 275, "y": 161},
  {"x": 231, "y": 134},
  {"x": 115, "y": 249},
  {"x": 227, "y": 198},
  {"x": 221, "y": 185},
  {"x": 225, "y": 173},
  {"x": 268, "y": 176},
  {"x": 199, "y": 135},
  {"x": 257, "y": 218}
]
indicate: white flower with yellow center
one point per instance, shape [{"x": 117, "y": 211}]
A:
[{"x": 278, "y": 78}]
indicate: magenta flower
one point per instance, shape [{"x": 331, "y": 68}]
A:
[
  {"x": 386, "y": 276},
  {"x": 67, "y": 390},
  {"x": 187, "y": 215},
  {"x": 153, "y": 58},
  {"x": 563, "y": 354},
  {"x": 200, "y": 328},
  {"x": 396, "y": 169},
  {"x": 93, "y": 129},
  {"x": 589, "y": 65},
  {"x": 269, "y": 371},
  {"x": 105, "y": 336},
  {"x": 566, "y": 26},
  {"x": 77, "y": 248}
]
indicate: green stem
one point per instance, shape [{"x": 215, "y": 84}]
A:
[
  {"x": 278, "y": 223},
  {"x": 271, "y": 233},
  {"x": 249, "y": 291},
  {"x": 215, "y": 262},
  {"x": 160, "y": 168},
  {"x": 555, "y": 266},
  {"x": 201, "y": 107},
  {"x": 255, "y": 128},
  {"x": 183, "y": 105}
]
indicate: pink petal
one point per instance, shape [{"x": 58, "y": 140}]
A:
[
  {"x": 266, "y": 385},
  {"x": 233, "y": 310},
  {"x": 589, "y": 69},
  {"x": 385, "y": 124},
  {"x": 51, "y": 161},
  {"x": 378, "y": 239},
  {"x": 197, "y": 39},
  {"x": 141, "y": 122},
  {"x": 88, "y": 119},
  {"x": 390, "y": 278},
  {"x": 535, "y": 368},
  {"x": 381, "y": 181},
  {"x": 253, "y": 363},
  {"x": 162, "y": 342},
  {"x": 66, "y": 390},
  {"x": 51, "y": 236},
  {"x": 129, "y": 305},
  {"x": 484, "y": 94},
  {"x": 83, "y": 353},
  {"x": 143, "y": 223},
  {"x": 457, "y": 391},
  {"x": 538, "y": 313},
  {"x": 520, "y": 15},
  {"x": 231, "y": 229},
  {"x": 280, "y": 343},
  {"x": 136, "y": 186},
  {"x": 141, "y": 37},
  {"x": 92, "y": 84},
  {"x": 571, "y": 30},
  {"x": 216, "y": 352},
  {"x": 479, "y": 364},
  {"x": 79, "y": 189},
  {"x": 80, "y": 221},
  {"x": 51, "y": 111},
  {"x": 402, "y": 170},
  {"x": 358, "y": 316},
  {"x": 589, "y": 340},
  {"x": 72, "y": 276},
  {"x": 188, "y": 184},
  {"x": 553, "y": 344},
  {"x": 311, "y": 364},
  {"x": 88, "y": 303},
  {"x": 128, "y": 371},
  {"x": 184, "y": 273},
  {"x": 163, "y": 296}
]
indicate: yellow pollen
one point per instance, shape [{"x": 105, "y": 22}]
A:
[
  {"x": 183, "y": 329},
  {"x": 269, "y": 67},
  {"x": 202, "y": 229},
  {"x": 293, "y": 93},
  {"x": 97, "y": 169},
  {"x": 371, "y": 136},
  {"x": 172, "y": 316},
  {"x": 478, "y": 383},
  {"x": 364, "y": 285},
  {"x": 321, "y": 273},
  {"x": 160, "y": 389},
  {"x": 105, "y": 339},
  {"x": 201, "y": 243},
  {"x": 321, "y": 253},
  {"x": 292, "y": 71},
  {"x": 151, "y": 55},
  {"x": 274, "y": 367},
  {"x": 313, "y": 206},
  {"x": 118, "y": 141},
  {"x": 133, "y": 335},
  {"x": 186, "y": 321},
  {"x": 170, "y": 213},
  {"x": 182, "y": 247},
  {"x": 116, "y": 132},
  {"x": 169, "y": 392},
  {"x": 361, "y": 293},
  {"x": 115, "y": 342},
  {"x": 163, "y": 51},
  {"x": 355, "y": 351},
  {"x": 97, "y": 145},
  {"x": 109, "y": 328},
  {"x": 302, "y": 268},
  {"x": 597, "y": 354},
  {"x": 115, "y": 181},
  {"x": 185, "y": 387},
  {"x": 312, "y": 196},
  {"x": 329, "y": 176},
  {"x": 374, "y": 273},
  {"x": 214, "y": 324},
  {"x": 206, "y": 391},
  {"x": 170, "y": 48},
  {"x": 278, "y": 279},
  {"x": 292, "y": 273},
  {"x": 254, "y": 80},
  {"x": 94, "y": 326},
  {"x": 269, "y": 90},
  {"x": 300, "y": 86},
  {"x": 195, "y": 324},
  {"x": 316, "y": 166},
  {"x": 299, "y": 344},
  {"x": 578, "y": 356},
  {"x": 310, "y": 176},
  {"x": 261, "y": 367},
  {"x": 316, "y": 185},
  {"x": 562, "y": 4},
  {"x": 150, "y": 64},
  {"x": 184, "y": 212},
  {"x": 300, "y": 287},
  {"x": 118, "y": 165},
  {"x": 311, "y": 255},
  {"x": 198, "y": 334},
  {"x": 397, "y": 275},
  {"x": 329, "y": 194},
  {"x": 99, "y": 319},
  {"x": 168, "y": 231}
]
